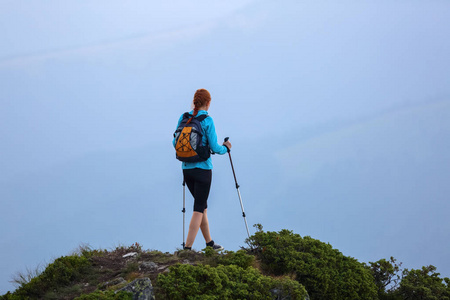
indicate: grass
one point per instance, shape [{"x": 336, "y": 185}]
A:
[{"x": 86, "y": 271}]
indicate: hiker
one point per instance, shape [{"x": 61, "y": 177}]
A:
[{"x": 198, "y": 174}]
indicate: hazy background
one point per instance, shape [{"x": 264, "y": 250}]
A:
[{"x": 339, "y": 115}]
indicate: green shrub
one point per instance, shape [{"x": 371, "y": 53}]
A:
[
  {"x": 424, "y": 284},
  {"x": 387, "y": 277},
  {"x": 222, "y": 282},
  {"x": 325, "y": 272},
  {"x": 239, "y": 258},
  {"x": 65, "y": 270},
  {"x": 10, "y": 296},
  {"x": 62, "y": 272}
]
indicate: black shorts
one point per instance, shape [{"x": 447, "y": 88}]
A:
[{"x": 199, "y": 184}]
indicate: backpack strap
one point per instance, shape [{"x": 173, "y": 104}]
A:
[
  {"x": 199, "y": 118},
  {"x": 202, "y": 117}
]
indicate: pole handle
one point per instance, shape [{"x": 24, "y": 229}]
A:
[{"x": 226, "y": 140}]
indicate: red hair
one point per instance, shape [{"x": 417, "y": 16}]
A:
[{"x": 201, "y": 98}]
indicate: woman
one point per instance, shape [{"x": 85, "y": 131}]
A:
[{"x": 198, "y": 175}]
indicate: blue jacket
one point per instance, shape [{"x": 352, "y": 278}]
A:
[{"x": 209, "y": 137}]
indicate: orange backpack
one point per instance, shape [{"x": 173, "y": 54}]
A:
[{"x": 188, "y": 139}]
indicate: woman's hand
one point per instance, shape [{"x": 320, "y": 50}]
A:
[{"x": 227, "y": 144}]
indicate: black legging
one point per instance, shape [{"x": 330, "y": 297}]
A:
[{"x": 199, "y": 184}]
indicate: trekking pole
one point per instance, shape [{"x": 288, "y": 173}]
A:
[
  {"x": 237, "y": 188},
  {"x": 184, "y": 208}
]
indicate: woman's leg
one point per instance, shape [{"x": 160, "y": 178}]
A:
[
  {"x": 196, "y": 220},
  {"x": 199, "y": 183},
  {"x": 204, "y": 226},
  {"x": 199, "y": 220}
]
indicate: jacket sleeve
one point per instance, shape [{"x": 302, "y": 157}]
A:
[{"x": 212, "y": 138}]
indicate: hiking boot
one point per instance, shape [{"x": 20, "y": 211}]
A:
[{"x": 215, "y": 246}]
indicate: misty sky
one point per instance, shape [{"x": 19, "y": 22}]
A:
[{"x": 338, "y": 112}]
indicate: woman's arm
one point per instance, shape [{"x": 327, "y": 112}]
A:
[{"x": 212, "y": 138}]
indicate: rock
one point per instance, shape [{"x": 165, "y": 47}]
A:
[
  {"x": 141, "y": 288},
  {"x": 278, "y": 294},
  {"x": 148, "y": 265},
  {"x": 131, "y": 254},
  {"x": 161, "y": 268},
  {"x": 187, "y": 262}
]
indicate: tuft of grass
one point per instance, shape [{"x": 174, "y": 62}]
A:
[
  {"x": 132, "y": 276},
  {"x": 23, "y": 278},
  {"x": 105, "y": 295},
  {"x": 67, "y": 292},
  {"x": 87, "y": 251},
  {"x": 136, "y": 247},
  {"x": 132, "y": 267},
  {"x": 158, "y": 257}
]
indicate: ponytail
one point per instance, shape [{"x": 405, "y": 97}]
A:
[
  {"x": 193, "y": 115},
  {"x": 195, "y": 111},
  {"x": 201, "y": 98}
]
